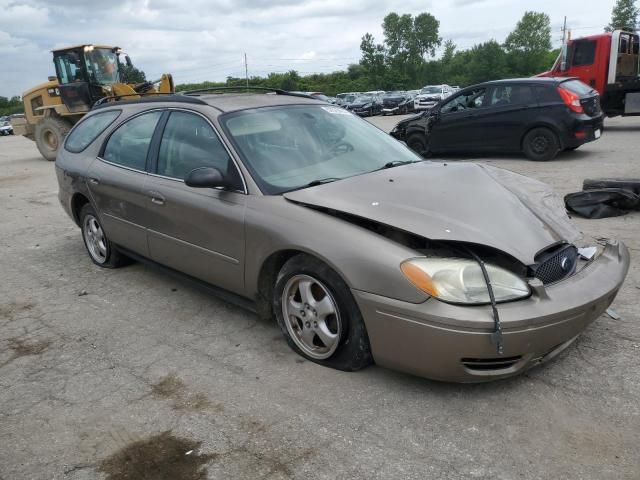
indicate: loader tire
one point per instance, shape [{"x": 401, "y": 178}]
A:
[{"x": 49, "y": 136}]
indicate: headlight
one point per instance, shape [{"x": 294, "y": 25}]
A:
[{"x": 460, "y": 280}]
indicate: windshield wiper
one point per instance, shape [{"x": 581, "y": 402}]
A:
[
  {"x": 395, "y": 163},
  {"x": 320, "y": 181}
]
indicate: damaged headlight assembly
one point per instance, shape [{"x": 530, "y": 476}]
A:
[{"x": 461, "y": 281}]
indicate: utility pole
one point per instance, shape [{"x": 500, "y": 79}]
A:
[
  {"x": 564, "y": 30},
  {"x": 246, "y": 70}
]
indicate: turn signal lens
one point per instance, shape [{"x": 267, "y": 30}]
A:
[
  {"x": 571, "y": 100},
  {"x": 419, "y": 278}
]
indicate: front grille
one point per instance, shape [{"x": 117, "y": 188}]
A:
[
  {"x": 555, "y": 264},
  {"x": 484, "y": 364},
  {"x": 591, "y": 106}
]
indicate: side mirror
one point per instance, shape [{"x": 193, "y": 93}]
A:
[{"x": 205, "y": 177}]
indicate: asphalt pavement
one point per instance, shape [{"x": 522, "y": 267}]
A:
[{"x": 130, "y": 373}]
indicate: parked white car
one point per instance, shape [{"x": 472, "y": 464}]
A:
[{"x": 430, "y": 95}]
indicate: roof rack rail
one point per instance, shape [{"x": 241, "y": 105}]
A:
[
  {"x": 146, "y": 97},
  {"x": 277, "y": 91}
]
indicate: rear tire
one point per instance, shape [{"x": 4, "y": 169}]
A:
[
  {"x": 50, "y": 134},
  {"x": 418, "y": 143},
  {"x": 318, "y": 315},
  {"x": 101, "y": 250},
  {"x": 540, "y": 145}
]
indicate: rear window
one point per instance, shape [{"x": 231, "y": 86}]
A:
[
  {"x": 88, "y": 130},
  {"x": 584, "y": 53},
  {"x": 577, "y": 87}
]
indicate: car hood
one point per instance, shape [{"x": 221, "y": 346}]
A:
[
  {"x": 456, "y": 202},
  {"x": 360, "y": 104},
  {"x": 430, "y": 95}
]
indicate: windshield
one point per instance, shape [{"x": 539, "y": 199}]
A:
[
  {"x": 363, "y": 99},
  {"x": 102, "y": 64},
  {"x": 349, "y": 98},
  {"x": 288, "y": 147},
  {"x": 431, "y": 90}
]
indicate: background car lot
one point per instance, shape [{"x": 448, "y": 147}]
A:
[{"x": 92, "y": 361}]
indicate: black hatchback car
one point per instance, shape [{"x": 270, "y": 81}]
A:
[{"x": 536, "y": 116}]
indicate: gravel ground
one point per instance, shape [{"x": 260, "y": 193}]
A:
[{"x": 134, "y": 374}]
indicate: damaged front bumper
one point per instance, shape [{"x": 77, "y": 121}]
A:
[{"x": 449, "y": 342}]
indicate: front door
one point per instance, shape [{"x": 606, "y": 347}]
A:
[
  {"x": 452, "y": 129},
  {"x": 196, "y": 231},
  {"x": 116, "y": 181}
]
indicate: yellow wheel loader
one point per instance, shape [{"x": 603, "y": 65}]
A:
[{"x": 85, "y": 74}]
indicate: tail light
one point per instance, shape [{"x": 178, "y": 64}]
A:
[{"x": 571, "y": 100}]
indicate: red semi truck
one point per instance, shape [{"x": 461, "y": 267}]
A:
[{"x": 607, "y": 62}]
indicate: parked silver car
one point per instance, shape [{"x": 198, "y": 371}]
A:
[{"x": 359, "y": 248}]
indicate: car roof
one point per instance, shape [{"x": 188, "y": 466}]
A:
[
  {"x": 231, "y": 102},
  {"x": 223, "y": 102},
  {"x": 538, "y": 80}
]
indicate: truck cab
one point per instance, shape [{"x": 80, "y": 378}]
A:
[{"x": 607, "y": 62}]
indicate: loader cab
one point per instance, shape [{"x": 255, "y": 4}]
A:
[{"x": 84, "y": 72}]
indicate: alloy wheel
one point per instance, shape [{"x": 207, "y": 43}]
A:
[
  {"x": 311, "y": 316},
  {"x": 95, "y": 239}
]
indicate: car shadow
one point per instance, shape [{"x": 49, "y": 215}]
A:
[{"x": 621, "y": 128}]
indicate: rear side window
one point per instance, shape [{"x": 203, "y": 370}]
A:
[
  {"x": 507, "y": 95},
  {"x": 548, "y": 94},
  {"x": 584, "y": 53},
  {"x": 88, "y": 130},
  {"x": 129, "y": 144}
]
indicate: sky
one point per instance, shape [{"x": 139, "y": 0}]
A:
[{"x": 200, "y": 40}]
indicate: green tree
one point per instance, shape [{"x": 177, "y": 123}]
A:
[
  {"x": 624, "y": 16},
  {"x": 529, "y": 44},
  {"x": 373, "y": 58},
  {"x": 131, "y": 74},
  {"x": 408, "y": 41}
]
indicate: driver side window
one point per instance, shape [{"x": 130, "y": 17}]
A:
[
  {"x": 468, "y": 100},
  {"x": 189, "y": 142}
]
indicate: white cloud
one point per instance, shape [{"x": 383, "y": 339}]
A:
[{"x": 205, "y": 39}]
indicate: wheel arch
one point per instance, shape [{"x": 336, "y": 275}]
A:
[
  {"x": 549, "y": 126},
  {"x": 78, "y": 200}
]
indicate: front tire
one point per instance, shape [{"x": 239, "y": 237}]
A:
[
  {"x": 540, "y": 145},
  {"x": 50, "y": 134},
  {"x": 418, "y": 143},
  {"x": 101, "y": 250},
  {"x": 319, "y": 316}
]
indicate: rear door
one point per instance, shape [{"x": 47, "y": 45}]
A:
[
  {"x": 117, "y": 179},
  {"x": 198, "y": 231},
  {"x": 454, "y": 127},
  {"x": 503, "y": 121}
]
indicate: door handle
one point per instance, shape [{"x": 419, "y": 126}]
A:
[
  {"x": 156, "y": 198},
  {"x": 94, "y": 181}
]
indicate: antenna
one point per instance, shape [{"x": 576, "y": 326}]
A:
[{"x": 246, "y": 70}]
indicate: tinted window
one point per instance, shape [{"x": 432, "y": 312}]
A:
[
  {"x": 584, "y": 52},
  {"x": 87, "y": 131},
  {"x": 468, "y": 100},
  {"x": 547, "y": 94},
  {"x": 503, "y": 95},
  {"x": 129, "y": 144},
  {"x": 189, "y": 142},
  {"x": 577, "y": 87}
]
